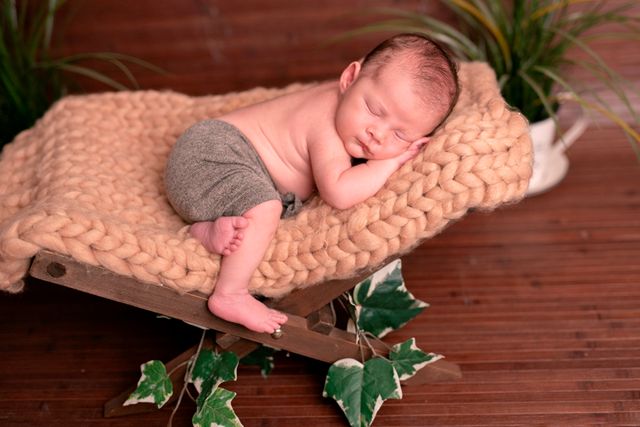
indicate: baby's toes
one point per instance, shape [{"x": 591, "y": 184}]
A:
[
  {"x": 278, "y": 317},
  {"x": 240, "y": 222},
  {"x": 271, "y": 326}
]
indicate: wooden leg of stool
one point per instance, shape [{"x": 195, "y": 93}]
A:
[{"x": 320, "y": 335}]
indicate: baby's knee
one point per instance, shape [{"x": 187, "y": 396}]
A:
[{"x": 266, "y": 214}]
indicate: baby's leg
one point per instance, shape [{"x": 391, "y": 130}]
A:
[
  {"x": 222, "y": 236},
  {"x": 231, "y": 299}
]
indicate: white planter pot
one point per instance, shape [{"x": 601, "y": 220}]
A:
[{"x": 550, "y": 164}]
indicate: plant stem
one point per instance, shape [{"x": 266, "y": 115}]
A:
[{"x": 187, "y": 375}]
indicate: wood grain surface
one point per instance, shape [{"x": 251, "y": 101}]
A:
[{"x": 539, "y": 302}]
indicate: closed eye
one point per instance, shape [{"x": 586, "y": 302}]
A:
[
  {"x": 371, "y": 110},
  {"x": 401, "y": 136}
]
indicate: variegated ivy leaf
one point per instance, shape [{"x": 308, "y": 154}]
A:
[
  {"x": 216, "y": 410},
  {"x": 214, "y": 367},
  {"x": 407, "y": 358},
  {"x": 263, "y": 357},
  {"x": 361, "y": 389},
  {"x": 383, "y": 303},
  {"x": 154, "y": 385},
  {"x": 223, "y": 371}
]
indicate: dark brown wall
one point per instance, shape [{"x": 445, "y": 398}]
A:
[
  {"x": 215, "y": 46},
  {"x": 212, "y": 46}
]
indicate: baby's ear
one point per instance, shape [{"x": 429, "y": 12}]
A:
[{"x": 349, "y": 75}]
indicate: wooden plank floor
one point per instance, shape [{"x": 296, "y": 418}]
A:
[{"x": 538, "y": 302}]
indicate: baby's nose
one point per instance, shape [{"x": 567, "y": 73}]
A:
[{"x": 376, "y": 134}]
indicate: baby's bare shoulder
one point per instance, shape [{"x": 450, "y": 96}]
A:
[{"x": 327, "y": 152}]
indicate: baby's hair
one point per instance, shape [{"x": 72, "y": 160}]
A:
[{"x": 434, "y": 66}]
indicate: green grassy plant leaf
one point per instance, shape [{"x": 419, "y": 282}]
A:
[
  {"x": 383, "y": 303},
  {"x": 154, "y": 385},
  {"x": 216, "y": 410},
  {"x": 407, "y": 358},
  {"x": 31, "y": 79},
  {"x": 360, "y": 389}
]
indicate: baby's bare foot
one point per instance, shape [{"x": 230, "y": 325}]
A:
[
  {"x": 222, "y": 236},
  {"x": 244, "y": 309}
]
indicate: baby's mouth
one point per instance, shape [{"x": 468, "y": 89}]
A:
[{"x": 364, "y": 147}]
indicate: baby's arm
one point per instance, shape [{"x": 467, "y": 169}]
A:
[{"x": 342, "y": 185}]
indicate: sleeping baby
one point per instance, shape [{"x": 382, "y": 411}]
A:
[{"x": 233, "y": 178}]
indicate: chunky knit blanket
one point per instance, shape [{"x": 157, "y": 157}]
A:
[{"x": 86, "y": 181}]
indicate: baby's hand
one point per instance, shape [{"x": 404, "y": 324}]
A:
[{"x": 411, "y": 152}]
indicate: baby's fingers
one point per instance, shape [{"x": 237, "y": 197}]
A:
[
  {"x": 420, "y": 143},
  {"x": 411, "y": 152}
]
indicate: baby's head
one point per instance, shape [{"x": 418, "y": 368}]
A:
[
  {"x": 398, "y": 94},
  {"x": 432, "y": 70}
]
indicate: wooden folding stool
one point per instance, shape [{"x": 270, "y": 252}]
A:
[{"x": 310, "y": 330}]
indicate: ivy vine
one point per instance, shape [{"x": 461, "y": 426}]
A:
[{"x": 379, "y": 304}]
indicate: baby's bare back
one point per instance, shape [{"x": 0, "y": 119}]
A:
[{"x": 280, "y": 130}]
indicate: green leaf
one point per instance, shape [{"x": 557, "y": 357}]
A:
[
  {"x": 216, "y": 410},
  {"x": 361, "y": 389},
  {"x": 407, "y": 358},
  {"x": 220, "y": 367},
  {"x": 263, "y": 357},
  {"x": 383, "y": 303},
  {"x": 154, "y": 385}
]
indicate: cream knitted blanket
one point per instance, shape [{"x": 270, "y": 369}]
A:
[{"x": 86, "y": 181}]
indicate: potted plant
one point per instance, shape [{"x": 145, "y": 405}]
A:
[
  {"x": 31, "y": 78},
  {"x": 527, "y": 43}
]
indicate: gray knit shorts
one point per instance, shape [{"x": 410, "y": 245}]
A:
[{"x": 214, "y": 171}]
